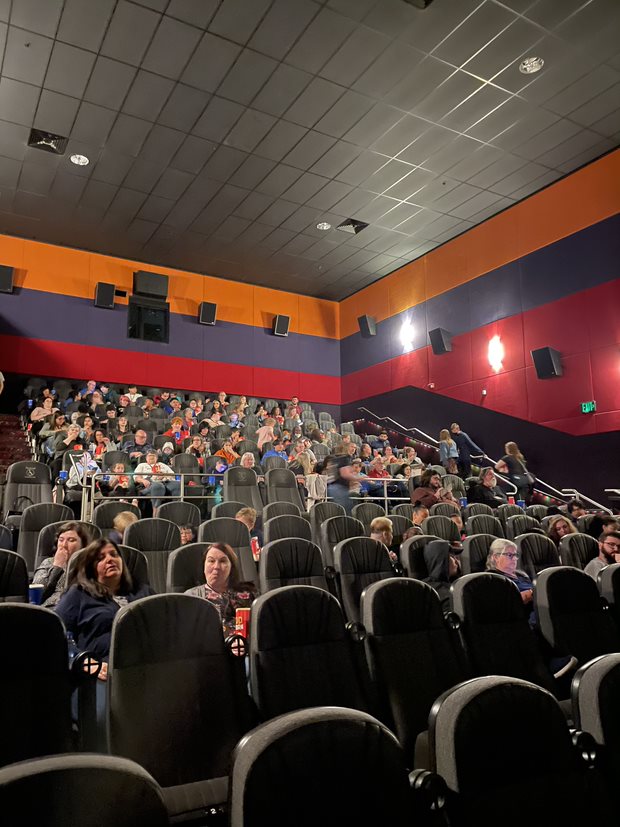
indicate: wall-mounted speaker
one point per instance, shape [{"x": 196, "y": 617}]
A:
[
  {"x": 153, "y": 285},
  {"x": 441, "y": 340},
  {"x": 368, "y": 326},
  {"x": 280, "y": 325},
  {"x": 207, "y": 313},
  {"x": 6, "y": 279},
  {"x": 104, "y": 295},
  {"x": 547, "y": 362}
]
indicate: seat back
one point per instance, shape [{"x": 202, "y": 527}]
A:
[
  {"x": 400, "y": 524},
  {"x": 609, "y": 587},
  {"x": 536, "y": 552},
  {"x": 475, "y": 552},
  {"x": 156, "y": 538},
  {"x": 110, "y": 458},
  {"x": 444, "y": 509},
  {"x": 27, "y": 482},
  {"x": 484, "y": 524},
  {"x": 333, "y": 531},
  {"x": 280, "y": 509},
  {"x": 496, "y": 630},
  {"x": 300, "y": 654},
  {"x": 180, "y": 513},
  {"x": 577, "y": 550},
  {"x": 237, "y": 535},
  {"x": 290, "y": 562},
  {"x": 288, "y": 765},
  {"x": 104, "y": 514},
  {"x": 489, "y": 723},
  {"x": 404, "y": 510},
  {"x": 186, "y": 567},
  {"x": 89, "y": 790},
  {"x": 227, "y": 509},
  {"x": 359, "y": 562},
  {"x": 595, "y": 691},
  {"x": 13, "y": 577},
  {"x": 6, "y": 538},
  {"x": 412, "y": 653},
  {"x": 508, "y": 510},
  {"x": 572, "y": 616},
  {"x": 46, "y": 542},
  {"x": 537, "y": 511},
  {"x": 35, "y": 518},
  {"x": 167, "y": 657},
  {"x": 412, "y": 555},
  {"x": 319, "y": 513},
  {"x": 441, "y": 527},
  {"x": 366, "y": 513},
  {"x": 475, "y": 509},
  {"x": 278, "y": 528},
  {"x": 241, "y": 485},
  {"x": 271, "y": 463},
  {"x": 282, "y": 487},
  {"x": 456, "y": 484},
  {"x": 520, "y": 524},
  {"x": 35, "y": 677}
]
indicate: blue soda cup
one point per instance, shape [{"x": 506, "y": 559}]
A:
[
  {"x": 521, "y": 503},
  {"x": 30, "y": 403},
  {"x": 63, "y": 476},
  {"x": 35, "y": 594},
  {"x": 463, "y": 502},
  {"x": 178, "y": 478}
]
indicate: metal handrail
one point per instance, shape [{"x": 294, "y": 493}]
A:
[{"x": 576, "y": 495}]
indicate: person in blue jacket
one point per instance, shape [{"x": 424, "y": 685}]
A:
[{"x": 465, "y": 446}]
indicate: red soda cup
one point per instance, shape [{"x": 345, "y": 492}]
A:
[
  {"x": 511, "y": 500},
  {"x": 242, "y": 622},
  {"x": 255, "y": 546}
]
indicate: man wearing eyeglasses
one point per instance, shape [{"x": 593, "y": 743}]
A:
[
  {"x": 608, "y": 553},
  {"x": 502, "y": 559}
]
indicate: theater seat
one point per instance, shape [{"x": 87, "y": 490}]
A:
[
  {"x": 323, "y": 766},
  {"x": 319, "y": 513},
  {"x": 508, "y": 510},
  {"x": 237, "y": 535},
  {"x": 84, "y": 790},
  {"x": 46, "y": 542},
  {"x": 227, "y": 509},
  {"x": 366, "y": 513},
  {"x": 333, "y": 531},
  {"x": 13, "y": 577},
  {"x": 536, "y": 552},
  {"x": 475, "y": 552},
  {"x": 577, "y": 550},
  {"x": 290, "y": 562},
  {"x": 444, "y": 509},
  {"x": 27, "y": 483},
  {"x": 104, "y": 514},
  {"x": 441, "y": 527},
  {"x": 179, "y": 513},
  {"x": 359, "y": 562},
  {"x": 475, "y": 509},
  {"x": 35, "y": 518},
  {"x": 156, "y": 538},
  {"x": 241, "y": 485},
  {"x": 502, "y": 746},
  {"x": 300, "y": 653},
  {"x": 186, "y": 567},
  {"x": 404, "y": 509},
  {"x": 412, "y": 555},
  {"x": 280, "y": 509},
  {"x": 281, "y": 486},
  {"x": 177, "y": 703},
  {"x": 277, "y": 528},
  {"x": 521, "y": 524},
  {"x": 484, "y": 524},
  {"x": 608, "y": 582}
]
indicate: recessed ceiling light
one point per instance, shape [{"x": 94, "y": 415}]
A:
[
  {"x": 531, "y": 65},
  {"x": 79, "y": 160},
  {"x": 323, "y": 225}
]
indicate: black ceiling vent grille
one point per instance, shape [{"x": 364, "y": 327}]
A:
[
  {"x": 352, "y": 225},
  {"x": 47, "y": 141}
]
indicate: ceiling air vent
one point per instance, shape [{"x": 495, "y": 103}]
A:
[
  {"x": 352, "y": 225},
  {"x": 47, "y": 141}
]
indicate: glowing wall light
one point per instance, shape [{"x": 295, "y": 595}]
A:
[
  {"x": 406, "y": 336},
  {"x": 496, "y": 353}
]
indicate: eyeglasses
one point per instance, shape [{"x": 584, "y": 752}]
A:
[
  {"x": 612, "y": 547},
  {"x": 512, "y": 555}
]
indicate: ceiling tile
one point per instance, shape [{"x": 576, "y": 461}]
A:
[
  {"x": 246, "y": 77},
  {"x": 173, "y": 183},
  {"x": 580, "y": 92},
  {"x": 362, "y": 168},
  {"x": 504, "y": 166},
  {"x": 314, "y": 102},
  {"x": 278, "y": 212},
  {"x": 69, "y": 70},
  {"x": 518, "y": 179},
  {"x": 18, "y": 101},
  {"x": 336, "y": 159},
  {"x": 217, "y": 119},
  {"x": 311, "y": 147},
  {"x": 557, "y": 133},
  {"x": 112, "y": 167},
  {"x": 184, "y": 107},
  {"x": 475, "y": 108},
  {"x": 192, "y": 155},
  {"x": 474, "y": 33},
  {"x": 325, "y": 34},
  {"x": 35, "y": 16},
  {"x": 428, "y": 30},
  {"x": 520, "y": 37},
  {"x": 142, "y": 176},
  {"x": 280, "y": 140},
  {"x": 500, "y": 119},
  {"x": 98, "y": 194},
  {"x": 109, "y": 83},
  {"x": 147, "y": 95},
  {"x": 127, "y": 202},
  {"x": 128, "y": 134},
  {"x": 35, "y": 178},
  {"x": 449, "y": 155},
  {"x": 68, "y": 188},
  {"x": 13, "y": 139},
  {"x": 129, "y": 32},
  {"x": 252, "y": 171},
  {"x": 92, "y": 124},
  {"x": 223, "y": 162},
  {"x": 386, "y": 176},
  {"x": 400, "y": 135},
  {"x": 253, "y": 205},
  {"x": 448, "y": 95},
  {"x": 55, "y": 113},
  {"x": 83, "y": 22},
  {"x": 372, "y": 125},
  {"x": 281, "y": 26},
  {"x": 282, "y": 88},
  {"x": 249, "y": 130},
  {"x": 155, "y": 209},
  {"x": 236, "y": 21},
  {"x": 427, "y": 144},
  {"x": 346, "y": 112},
  {"x": 355, "y": 55},
  {"x": 279, "y": 180},
  {"x": 388, "y": 70},
  {"x": 171, "y": 48},
  {"x": 304, "y": 188},
  {"x": 210, "y": 62},
  {"x": 406, "y": 188},
  {"x": 330, "y": 194},
  {"x": 597, "y": 107},
  {"x": 26, "y": 56}
]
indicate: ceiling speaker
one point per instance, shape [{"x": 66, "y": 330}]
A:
[
  {"x": 153, "y": 285},
  {"x": 6, "y": 279},
  {"x": 104, "y": 295},
  {"x": 368, "y": 326},
  {"x": 207, "y": 313},
  {"x": 280, "y": 325},
  {"x": 441, "y": 341},
  {"x": 548, "y": 362}
]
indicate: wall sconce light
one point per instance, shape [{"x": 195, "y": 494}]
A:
[
  {"x": 496, "y": 353},
  {"x": 406, "y": 336},
  {"x": 484, "y": 391}
]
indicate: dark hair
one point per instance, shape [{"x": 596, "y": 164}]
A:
[
  {"x": 575, "y": 504},
  {"x": 86, "y": 570},
  {"x": 614, "y": 534},
  {"x": 427, "y": 476},
  {"x": 234, "y": 578},
  {"x": 79, "y": 529}
]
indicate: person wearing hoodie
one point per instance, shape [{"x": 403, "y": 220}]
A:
[{"x": 442, "y": 567}]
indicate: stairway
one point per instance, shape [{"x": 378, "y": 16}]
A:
[{"x": 13, "y": 443}]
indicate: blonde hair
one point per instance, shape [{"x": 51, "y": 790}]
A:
[
  {"x": 246, "y": 512},
  {"x": 444, "y": 436},
  {"x": 513, "y": 449},
  {"x": 380, "y": 525},
  {"x": 124, "y": 519},
  {"x": 306, "y": 463}
]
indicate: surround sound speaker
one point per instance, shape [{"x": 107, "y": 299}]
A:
[
  {"x": 152, "y": 285},
  {"x": 368, "y": 326},
  {"x": 281, "y": 325},
  {"x": 547, "y": 362},
  {"x": 6, "y": 279},
  {"x": 104, "y": 295},
  {"x": 207, "y": 313},
  {"x": 441, "y": 341}
]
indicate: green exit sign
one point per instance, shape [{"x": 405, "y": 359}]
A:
[{"x": 588, "y": 407}]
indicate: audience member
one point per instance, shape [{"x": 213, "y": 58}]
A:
[
  {"x": 448, "y": 452},
  {"x": 161, "y": 479},
  {"x": 442, "y": 568},
  {"x": 178, "y": 430},
  {"x": 430, "y": 491},
  {"x": 248, "y": 516},
  {"x": 486, "y": 490},
  {"x": 465, "y": 445},
  {"x": 382, "y": 529},
  {"x": 608, "y": 553},
  {"x": 227, "y": 452},
  {"x": 377, "y": 443},
  {"x": 44, "y": 409},
  {"x": 188, "y": 534},
  {"x": 52, "y": 571},
  {"x": 138, "y": 447},
  {"x": 276, "y": 451},
  {"x": 558, "y": 527},
  {"x": 339, "y": 476},
  {"x": 513, "y": 464},
  {"x": 198, "y": 448},
  {"x": 419, "y": 514},
  {"x": 117, "y": 483},
  {"x": 223, "y": 587},
  {"x": 120, "y": 522},
  {"x": 265, "y": 433},
  {"x": 502, "y": 559},
  {"x": 576, "y": 509}
]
